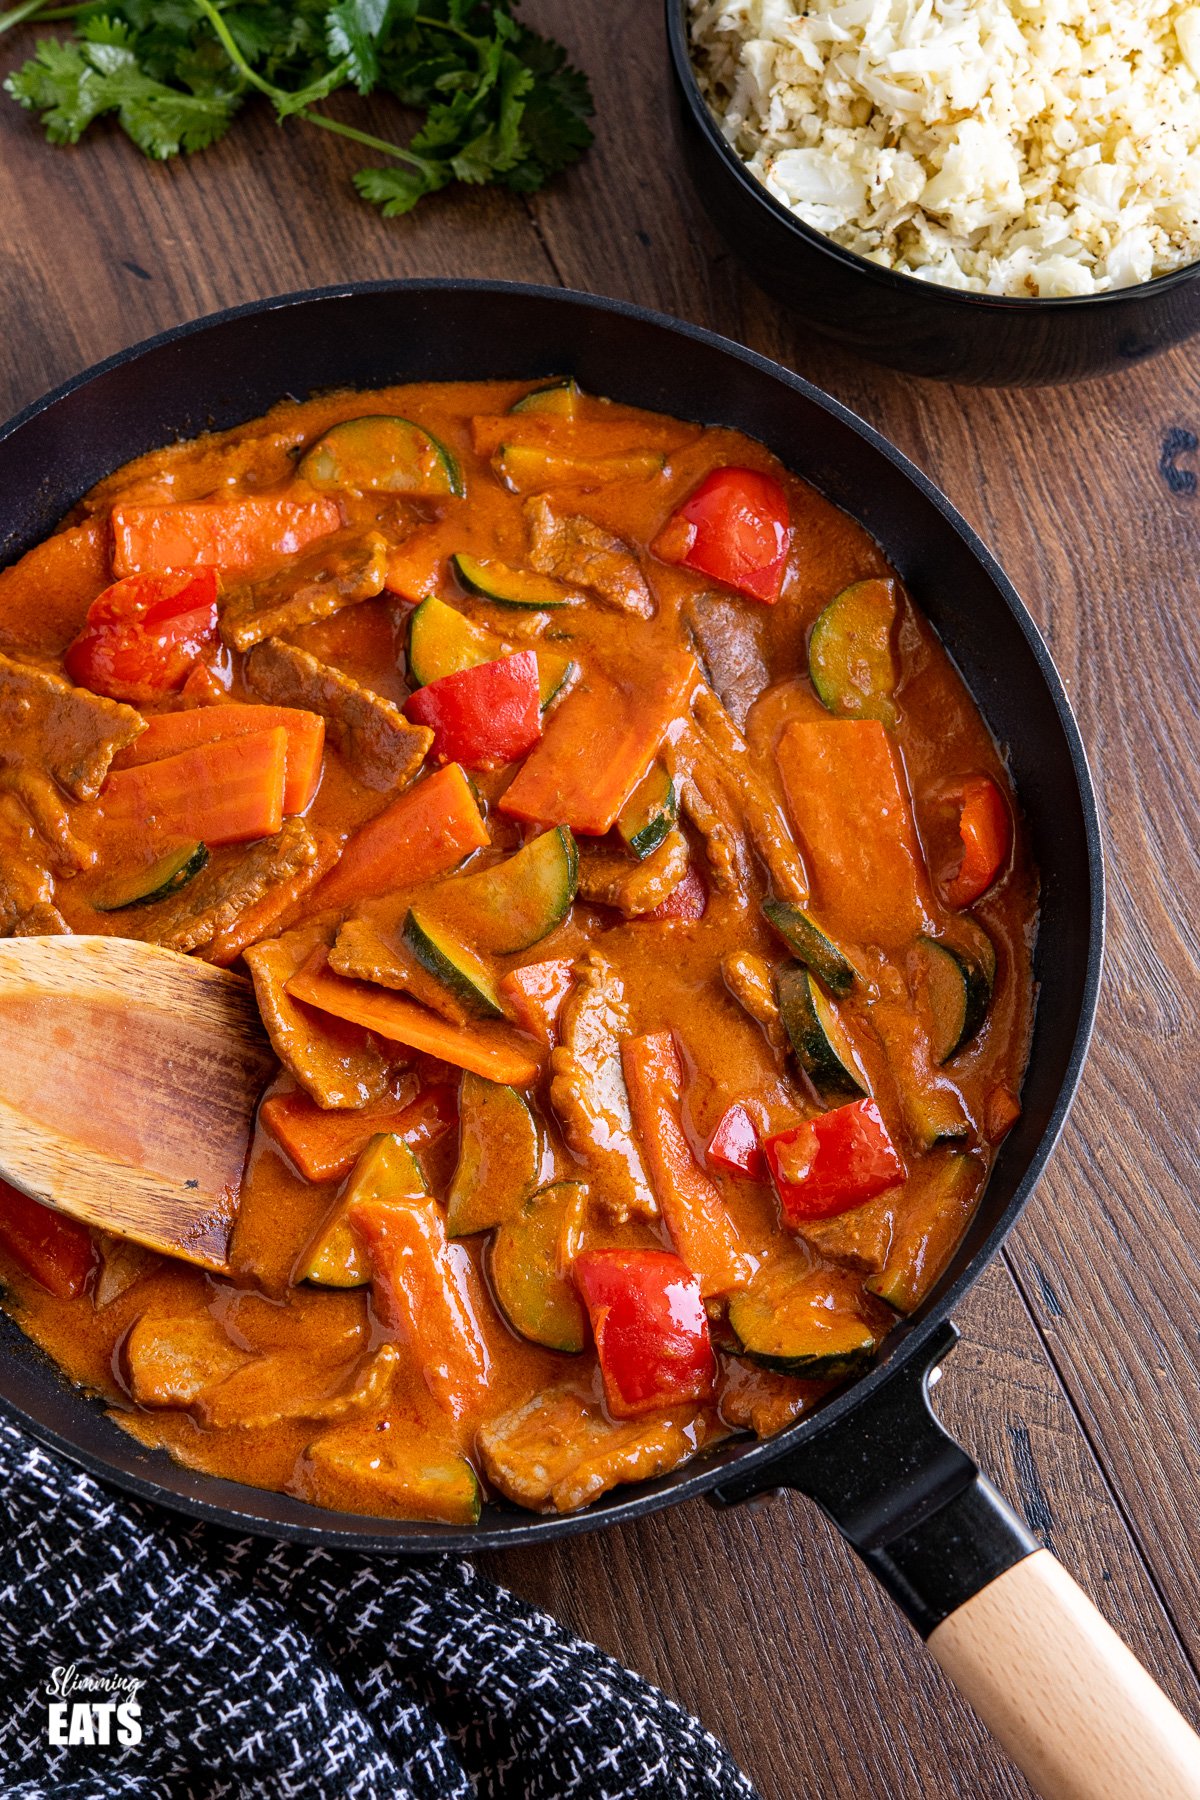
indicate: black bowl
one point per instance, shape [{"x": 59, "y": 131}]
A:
[
  {"x": 918, "y": 326},
  {"x": 220, "y": 371}
]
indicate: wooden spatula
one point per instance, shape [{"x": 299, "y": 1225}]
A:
[{"x": 128, "y": 1081}]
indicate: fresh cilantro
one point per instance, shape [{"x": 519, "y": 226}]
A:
[{"x": 499, "y": 102}]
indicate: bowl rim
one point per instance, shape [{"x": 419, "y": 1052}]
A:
[
  {"x": 245, "y": 1509},
  {"x": 897, "y": 280}
]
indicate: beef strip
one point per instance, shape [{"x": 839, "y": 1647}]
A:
[
  {"x": 41, "y": 801},
  {"x": 364, "y": 952},
  {"x": 705, "y": 800},
  {"x": 338, "y": 1065},
  {"x": 375, "y": 738},
  {"x": 749, "y": 979},
  {"x": 579, "y": 551},
  {"x": 214, "y": 900},
  {"x": 122, "y": 1265},
  {"x": 729, "y": 652},
  {"x": 587, "y": 1090},
  {"x": 273, "y": 1388},
  {"x": 718, "y": 744},
  {"x": 170, "y": 1361},
  {"x": 558, "y": 1451},
  {"x": 192, "y": 1365},
  {"x": 761, "y": 1400},
  {"x": 341, "y": 572},
  {"x": 859, "y": 1238},
  {"x": 634, "y": 887},
  {"x": 77, "y": 734},
  {"x": 27, "y": 906}
]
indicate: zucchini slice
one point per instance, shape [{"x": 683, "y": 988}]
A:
[
  {"x": 389, "y": 1473},
  {"x": 527, "y": 468},
  {"x": 649, "y": 814},
  {"x": 442, "y": 642},
  {"x": 165, "y": 876},
  {"x": 161, "y": 879},
  {"x": 453, "y": 963},
  {"x": 937, "y": 1207},
  {"x": 850, "y": 656},
  {"x": 499, "y": 1153},
  {"x": 560, "y": 397},
  {"x": 796, "y": 1321},
  {"x": 381, "y": 455},
  {"x": 957, "y": 990},
  {"x": 818, "y": 1037},
  {"x": 516, "y": 902},
  {"x": 508, "y": 587},
  {"x": 529, "y": 1261},
  {"x": 334, "y": 1256},
  {"x": 809, "y": 945}
]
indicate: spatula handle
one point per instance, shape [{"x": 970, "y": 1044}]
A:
[{"x": 1055, "y": 1685}]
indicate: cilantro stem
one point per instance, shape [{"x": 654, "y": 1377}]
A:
[
  {"x": 363, "y": 138},
  {"x": 229, "y": 45},
  {"x": 19, "y": 14},
  {"x": 281, "y": 98},
  {"x": 445, "y": 25}
]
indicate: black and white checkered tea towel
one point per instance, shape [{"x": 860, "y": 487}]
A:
[{"x": 273, "y": 1672}]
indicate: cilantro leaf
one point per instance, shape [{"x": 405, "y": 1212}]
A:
[
  {"x": 353, "y": 29},
  {"x": 396, "y": 191},
  {"x": 72, "y": 84},
  {"x": 498, "y": 102}
]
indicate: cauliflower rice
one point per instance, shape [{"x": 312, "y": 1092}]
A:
[{"x": 1028, "y": 147}]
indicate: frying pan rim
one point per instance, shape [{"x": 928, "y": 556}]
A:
[{"x": 908, "y": 1338}]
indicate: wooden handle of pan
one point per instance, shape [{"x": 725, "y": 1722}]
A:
[{"x": 1056, "y": 1686}]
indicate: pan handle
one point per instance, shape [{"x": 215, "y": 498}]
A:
[{"x": 1050, "y": 1679}]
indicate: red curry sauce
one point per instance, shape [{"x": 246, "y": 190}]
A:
[{"x": 723, "y": 1149}]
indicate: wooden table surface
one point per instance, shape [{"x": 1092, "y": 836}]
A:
[{"x": 1076, "y": 1382}]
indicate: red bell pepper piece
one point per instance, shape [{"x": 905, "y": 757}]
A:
[
  {"x": 650, "y": 1327},
  {"x": 55, "y": 1249},
  {"x": 734, "y": 527},
  {"x": 985, "y": 827},
  {"x": 482, "y": 717},
  {"x": 836, "y": 1161},
  {"x": 144, "y": 635},
  {"x": 686, "y": 904},
  {"x": 734, "y": 1145}
]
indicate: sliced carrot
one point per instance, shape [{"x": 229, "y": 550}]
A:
[
  {"x": 44, "y": 597},
  {"x": 232, "y": 535},
  {"x": 701, "y": 1229},
  {"x": 278, "y": 908},
  {"x": 222, "y": 793},
  {"x": 421, "y": 1293},
  {"x": 598, "y": 745},
  {"x": 325, "y": 1145},
  {"x": 848, "y": 797},
  {"x": 56, "y": 1250},
  {"x": 166, "y": 734},
  {"x": 414, "y": 566},
  {"x": 1001, "y": 1111},
  {"x": 429, "y": 829},
  {"x": 536, "y": 994},
  {"x": 485, "y": 1049}
]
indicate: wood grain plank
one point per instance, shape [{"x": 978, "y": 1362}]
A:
[{"x": 100, "y": 247}]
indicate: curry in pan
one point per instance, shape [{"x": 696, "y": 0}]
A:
[{"x": 633, "y": 896}]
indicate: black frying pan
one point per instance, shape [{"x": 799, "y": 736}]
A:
[{"x": 907, "y": 1497}]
